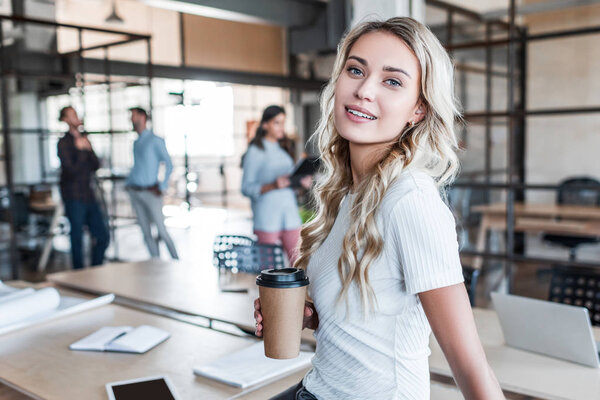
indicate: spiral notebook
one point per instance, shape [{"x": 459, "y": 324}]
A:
[{"x": 250, "y": 366}]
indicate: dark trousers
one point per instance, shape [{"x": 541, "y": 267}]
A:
[
  {"x": 82, "y": 213},
  {"x": 296, "y": 392}
]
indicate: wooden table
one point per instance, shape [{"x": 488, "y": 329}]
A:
[
  {"x": 517, "y": 371},
  {"x": 176, "y": 286},
  {"x": 524, "y": 372},
  {"x": 37, "y": 361},
  {"x": 548, "y": 218}
]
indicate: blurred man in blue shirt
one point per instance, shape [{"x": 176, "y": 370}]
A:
[{"x": 149, "y": 151}]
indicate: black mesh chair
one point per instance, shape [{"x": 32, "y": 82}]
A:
[
  {"x": 577, "y": 286},
  {"x": 584, "y": 197},
  {"x": 250, "y": 259},
  {"x": 243, "y": 254},
  {"x": 223, "y": 242},
  {"x": 471, "y": 275}
]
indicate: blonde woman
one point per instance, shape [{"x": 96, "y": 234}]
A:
[{"x": 382, "y": 254}]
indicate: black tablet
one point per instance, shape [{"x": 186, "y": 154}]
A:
[
  {"x": 155, "y": 388},
  {"x": 308, "y": 166}
]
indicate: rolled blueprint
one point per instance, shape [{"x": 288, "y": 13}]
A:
[{"x": 23, "y": 307}]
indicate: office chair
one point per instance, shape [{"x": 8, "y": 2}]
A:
[
  {"x": 471, "y": 275},
  {"x": 250, "y": 259},
  {"x": 577, "y": 286},
  {"x": 224, "y": 242},
  {"x": 242, "y": 254},
  {"x": 21, "y": 208},
  {"x": 584, "y": 197}
]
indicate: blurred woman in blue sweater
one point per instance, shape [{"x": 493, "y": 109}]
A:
[{"x": 266, "y": 182}]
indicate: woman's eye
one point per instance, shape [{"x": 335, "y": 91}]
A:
[
  {"x": 393, "y": 82},
  {"x": 354, "y": 71}
]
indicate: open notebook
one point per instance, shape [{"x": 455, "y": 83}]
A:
[
  {"x": 250, "y": 366},
  {"x": 125, "y": 339},
  {"x": 20, "y": 308}
]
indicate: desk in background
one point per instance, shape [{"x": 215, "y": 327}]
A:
[
  {"x": 177, "y": 286},
  {"x": 523, "y": 372},
  {"x": 567, "y": 220}
]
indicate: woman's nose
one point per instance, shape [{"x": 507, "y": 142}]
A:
[{"x": 366, "y": 90}]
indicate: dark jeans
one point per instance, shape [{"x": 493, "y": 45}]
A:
[
  {"x": 82, "y": 213},
  {"x": 297, "y": 392}
]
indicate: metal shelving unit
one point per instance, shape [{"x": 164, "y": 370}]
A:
[
  {"x": 516, "y": 113},
  {"x": 73, "y": 73}
]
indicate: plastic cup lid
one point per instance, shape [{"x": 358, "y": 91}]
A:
[{"x": 282, "y": 278}]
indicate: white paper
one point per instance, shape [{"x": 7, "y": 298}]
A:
[
  {"x": 24, "y": 307},
  {"x": 250, "y": 366},
  {"x": 10, "y": 293},
  {"x": 122, "y": 339},
  {"x": 67, "y": 306},
  {"x": 5, "y": 289}
]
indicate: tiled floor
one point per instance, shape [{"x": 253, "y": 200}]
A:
[{"x": 192, "y": 231}]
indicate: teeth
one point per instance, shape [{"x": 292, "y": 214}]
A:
[{"x": 359, "y": 114}]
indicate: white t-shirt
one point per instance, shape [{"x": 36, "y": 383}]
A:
[{"x": 385, "y": 356}]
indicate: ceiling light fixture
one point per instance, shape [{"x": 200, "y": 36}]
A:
[{"x": 113, "y": 17}]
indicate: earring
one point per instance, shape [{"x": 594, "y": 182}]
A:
[{"x": 412, "y": 124}]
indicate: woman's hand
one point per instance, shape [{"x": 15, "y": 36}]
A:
[
  {"x": 306, "y": 182},
  {"x": 311, "y": 318},
  {"x": 282, "y": 182}
]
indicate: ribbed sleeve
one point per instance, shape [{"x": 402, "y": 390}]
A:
[{"x": 423, "y": 230}]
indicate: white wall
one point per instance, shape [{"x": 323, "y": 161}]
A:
[
  {"x": 163, "y": 25},
  {"x": 563, "y": 73}
]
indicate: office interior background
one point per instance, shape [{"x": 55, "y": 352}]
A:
[
  {"x": 530, "y": 109},
  {"x": 526, "y": 76}
]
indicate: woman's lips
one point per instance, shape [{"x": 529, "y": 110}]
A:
[{"x": 357, "y": 114}]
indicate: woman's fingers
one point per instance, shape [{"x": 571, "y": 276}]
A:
[
  {"x": 308, "y": 312},
  {"x": 283, "y": 182},
  {"x": 258, "y": 317},
  {"x": 306, "y": 182}
]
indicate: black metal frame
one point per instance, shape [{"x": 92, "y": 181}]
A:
[
  {"x": 516, "y": 115},
  {"x": 72, "y": 65},
  {"x": 80, "y": 81}
]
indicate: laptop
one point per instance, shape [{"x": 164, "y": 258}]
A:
[{"x": 553, "y": 329}]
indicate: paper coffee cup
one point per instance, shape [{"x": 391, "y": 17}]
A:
[{"x": 282, "y": 294}]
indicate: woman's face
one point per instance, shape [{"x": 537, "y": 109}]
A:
[
  {"x": 275, "y": 127},
  {"x": 377, "y": 93}
]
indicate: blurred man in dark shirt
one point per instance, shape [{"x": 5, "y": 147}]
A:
[{"x": 78, "y": 165}]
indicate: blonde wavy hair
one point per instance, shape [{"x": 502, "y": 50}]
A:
[{"x": 430, "y": 145}]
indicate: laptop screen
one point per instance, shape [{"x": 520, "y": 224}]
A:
[{"x": 552, "y": 329}]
